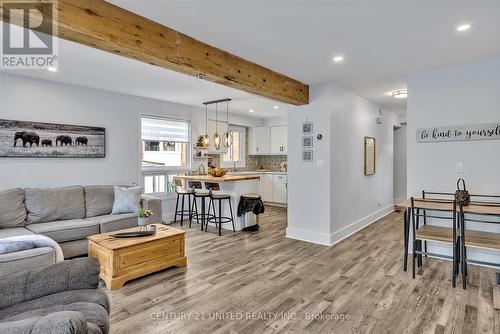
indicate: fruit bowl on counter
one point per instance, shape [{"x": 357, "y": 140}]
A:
[{"x": 217, "y": 172}]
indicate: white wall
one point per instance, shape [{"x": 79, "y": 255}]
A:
[
  {"x": 30, "y": 99},
  {"x": 331, "y": 197},
  {"x": 357, "y": 199},
  {"x": 309, "y": 212},
  {"x": 276, "y": 121},
  {"x": 458, "y": 95},
  {"x": 400, "y": 179},
  {"x": 44, "y": 101}
]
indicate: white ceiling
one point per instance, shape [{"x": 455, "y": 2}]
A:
[
  {"x": 88, "y": 67},
  {"x": 382, "y": 41}
]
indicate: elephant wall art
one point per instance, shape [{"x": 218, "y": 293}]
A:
[{"x": 24, "y": 139}]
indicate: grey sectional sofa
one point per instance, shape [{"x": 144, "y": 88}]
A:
[
  {"x": 67, "y": 215},
  {"x": 60, "y": 298}
]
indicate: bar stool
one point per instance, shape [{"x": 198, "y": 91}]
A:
[
  {"x": 218, "y": 219},
  {"x": 202, "y": 195},
  {"x": 182, "y": 192}
]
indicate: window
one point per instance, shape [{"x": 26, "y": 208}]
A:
[
  {"x": 235, "y": 155},
  {"x": 165, "y": 152}
]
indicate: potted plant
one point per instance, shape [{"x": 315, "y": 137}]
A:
[{"x": 143, "y": 217}]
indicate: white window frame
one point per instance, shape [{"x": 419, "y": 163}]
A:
[
  {"x": 243, "y": 149},
  {"x": 165, "y": 170}
]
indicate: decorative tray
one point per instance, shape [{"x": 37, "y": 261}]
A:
[{"x": 133, "y": 234}]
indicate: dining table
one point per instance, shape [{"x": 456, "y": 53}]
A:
[{"x": 443, "y": 205}]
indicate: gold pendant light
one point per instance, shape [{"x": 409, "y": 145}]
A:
[
  {"x": 217, "y": 138},
  {"x": 227, "y": 139},
  {"x": 206, "y": 137}
]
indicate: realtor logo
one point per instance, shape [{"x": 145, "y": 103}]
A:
[{"x": 28, "y": 32}]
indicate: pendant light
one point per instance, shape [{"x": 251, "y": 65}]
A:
[
  {"x": 217, "y": 138},
  {"x": 227, "y": 139},
  {"x": 206, "y": 137}
]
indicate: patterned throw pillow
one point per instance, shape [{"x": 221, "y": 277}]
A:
[{"x": 127, "y": 200}]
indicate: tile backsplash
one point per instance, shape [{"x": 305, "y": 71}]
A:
[{"x": 271, "y": 162}]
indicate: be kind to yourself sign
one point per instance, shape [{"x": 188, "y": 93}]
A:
[{"x": 459, "y": 133}]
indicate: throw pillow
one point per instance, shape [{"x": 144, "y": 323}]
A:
[{"x": 126, "y": 200}]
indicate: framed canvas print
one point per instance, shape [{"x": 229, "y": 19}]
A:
[
  {"x": 307, "y": 128},
  {"x": 307, "y": 141},
  {"x": 23, "y": 139},
  {"x": 307, "y": 155},
  {"x": 370, "y": 156}
]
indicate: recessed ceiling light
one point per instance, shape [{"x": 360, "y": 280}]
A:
[
  {"x": 251, "y": 110},
  {"x": 338, "y": 59},
  {"x": 276, "y": 107},
  {"x": 463, "y": 27},
  {"x": 52, "y": 69},
  {"x": 400, "y": 94}
]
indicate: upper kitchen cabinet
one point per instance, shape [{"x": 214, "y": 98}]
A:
[
  {"x": 266, "y": 140},
  {"x": 279, "y": 139},
  {"x": 221, "y": 128},
  {"x": 259, "y": 140}
]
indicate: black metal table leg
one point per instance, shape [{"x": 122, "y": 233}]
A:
[
  {"x": 406, "y": 237},
  {"x": 464, "y": 256},
  {"x": 419, "y": 242}
]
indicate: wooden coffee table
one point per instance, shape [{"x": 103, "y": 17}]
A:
[{"x": 123, "y": 259}]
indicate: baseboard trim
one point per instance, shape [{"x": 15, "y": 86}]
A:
[
  {"x": 349, "y": 230},
  {"x": 308, "y": 236},
  {"x": 331, "y": 239}
]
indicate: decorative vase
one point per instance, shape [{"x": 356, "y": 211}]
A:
[{"x": 142, "y": 221}]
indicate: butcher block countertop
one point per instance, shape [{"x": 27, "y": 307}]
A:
[{"x": 225, "y": 178}]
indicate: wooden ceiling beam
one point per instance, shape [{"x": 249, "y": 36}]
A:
[{"x": 107, "y": 27}]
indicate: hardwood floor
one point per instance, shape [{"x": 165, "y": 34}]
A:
[{"x": 261, "y": 274}]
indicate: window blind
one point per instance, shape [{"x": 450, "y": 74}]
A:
[{"x": 164, "y": 130}]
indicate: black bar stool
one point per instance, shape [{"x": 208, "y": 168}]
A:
[
  {"x": 218, "y": 219},
  {"x": 195, "y": 186},
  {"x": 182, "y": 192}
]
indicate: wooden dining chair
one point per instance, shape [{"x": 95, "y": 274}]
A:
[
  {"x": 480, "y": 206},
  {"x": 425, "y": 232}
]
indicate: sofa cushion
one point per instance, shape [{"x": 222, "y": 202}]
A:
[
  {"x": 99, "y": 200},
  {"x": 111, "y": 223},
  {"x": 93, "y": 313},
  {"x": 14, "y": 232},
  {"x": 51, "y": 204},
  {"x": 66, "y": 230},
  {"x": 27, "y": 259},
  {"x": 12, "y": 209},
  {"x": 95, "y": 296}
]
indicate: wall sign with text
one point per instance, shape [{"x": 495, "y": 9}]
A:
[{"x": 459, "y": 133}]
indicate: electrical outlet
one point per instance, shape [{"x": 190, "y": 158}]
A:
[{"x": 459, "y": 167}]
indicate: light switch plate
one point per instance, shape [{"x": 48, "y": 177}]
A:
[
  {"x": 459, "y": 167},
  {"x": 320, "y": 163}
]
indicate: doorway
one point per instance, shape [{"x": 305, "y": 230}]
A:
[{"x": 399, "y": 163}]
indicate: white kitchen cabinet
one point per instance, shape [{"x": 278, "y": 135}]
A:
[
  {"x": 267, "y": 188},
  {"x": 259, "y": 140},
  {"x": 279, "y": 140},
  {"x": 279, "y": 191},
  {"x": 221, "y": 129}
]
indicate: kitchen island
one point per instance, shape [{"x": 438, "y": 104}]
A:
[{"x": 235, "y": 186}]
